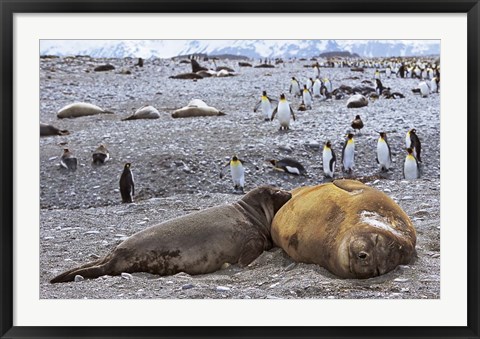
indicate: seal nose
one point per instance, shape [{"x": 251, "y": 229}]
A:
[{"x": 363, "y": 255}]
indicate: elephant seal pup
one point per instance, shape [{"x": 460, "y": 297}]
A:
[
  {"x": 196, "y": 108},
  {"x": 195, "y": 243},
  {"x": 145, "y": 112},
  {"x": 349, "y": 228},
  {"x": 80, "y": 109},
  {"x": 48, "y": 130}
]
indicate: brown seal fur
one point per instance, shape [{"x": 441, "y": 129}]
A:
[
  {"x": 48, "y": 130},
  {"x": 196, "y": 243},
  {"x": 349, "y": 228}
]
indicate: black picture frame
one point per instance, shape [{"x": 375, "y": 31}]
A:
[{"x": 10, "y": 7}]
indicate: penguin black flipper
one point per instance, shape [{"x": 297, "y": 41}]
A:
[
  {"x": 291, "y": 112},
  {"x": 257, "y": 106},
  {"x": 332, "y": 161},
  {"x": 274, "y": 112},
  {"x": 222, "y": 172},
  {"x": 127, "y": 186},
  {"x": 416, "y": 145}
]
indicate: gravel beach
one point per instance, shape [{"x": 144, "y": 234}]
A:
[{"x": 177, "y": 162}]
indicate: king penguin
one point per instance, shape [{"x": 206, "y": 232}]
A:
[
  {"x": 237, "y": 172},
  {"x": 266, "y": 105},
  {"x": 412, "y": 141},
  {"x": 348, "y": 154},
  {"x": 288, "y": 165},
  {"x": 329, "y": 160},
  {"x": 377, "y": 74},
  {"x": 317, "y": 85},
  {"x": 295, "y": 88},
  {"x": 307, "y": 97},
  {"x": 411, "y": 169},
  {"x": 384, "y": 156},
  {"x": 68, "y": 161},
  {"x": 284, "y": 112},
  {"x": 101, "y": 155},
  {"x": 127, "y": 184}
]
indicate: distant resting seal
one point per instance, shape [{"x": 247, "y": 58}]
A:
[
  {"x": 195, "y": 243},
  {"x": 80, "y": 109},
  {"x": 186, "y": 76},
  {"x": 145, "y": 112},
  {"x": 103, "y": 68},
  {"x": 349, "y": 228},
  {"x": 357, "y": 101},
  {"x": 196, "y": 108},
  {"x": 47, "y": 130}
]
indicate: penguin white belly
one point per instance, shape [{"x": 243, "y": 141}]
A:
[
  {"x": 327, "y": 156},
  {"x": 283, "y": 113},
  {"x": 388, "y": 72},
  {"x": 408, "y": 141},
  {"x": 267, "y": 109},
  {"x": 424, "y": 90},
  {"x": 410, "y": 169},
  {"x": 348, "y": 157},
  {"x": 383, "y": 155},
  {"x": 316, "y": 88},
  {"x": 292, "y": 170},
  {"x": 307, "y": 99},
  {"x": 238, "y": 175},
  {"x": 433, "y": 86}
]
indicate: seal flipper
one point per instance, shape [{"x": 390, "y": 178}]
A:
[
  {"x": 251, "y": 251},
  {"x": 90, "y": 270}
]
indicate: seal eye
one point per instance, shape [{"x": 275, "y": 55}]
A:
[{"x": 362, "y": 255}]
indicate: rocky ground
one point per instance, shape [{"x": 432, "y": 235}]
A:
[{"x": 176, "y": 163}]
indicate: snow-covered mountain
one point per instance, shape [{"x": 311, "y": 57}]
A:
[{"x": 248, "y": 48}]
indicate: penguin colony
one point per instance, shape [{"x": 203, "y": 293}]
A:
[{"x": 317, "y": 88}]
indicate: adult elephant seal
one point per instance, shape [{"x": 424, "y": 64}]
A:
[
  {"x": 196, "y": 243},
  {"x": 80, "y": 109},
  {"x": 351, "y": 229},
  {"x": 48, "y": 130},
  {"x": 196, "y": 108}
]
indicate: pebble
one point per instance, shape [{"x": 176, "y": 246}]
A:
[
  {"x": 436, "y": 255},
  {"x": 92, "y": 232},
  {"x": 48, "y": 238},
  {"x": 222, "y": 288},
  {"x": 290, "y": 267},
  {"x": 274, "y": 285},
  {"x": 188, "y": 286},
  {"x": 407, "y": 197},
  {"x": 126, "y": 276},
  {"x": 78, "y": 278},
  {"x": 402, "y": 280}
]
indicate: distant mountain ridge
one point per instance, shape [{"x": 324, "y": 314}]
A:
[{"x": 248, "y": 48}]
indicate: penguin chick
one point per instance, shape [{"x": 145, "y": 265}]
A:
[
  {"x": 237, "y": 172},
  {"x": 284, "y": 112},
  {"x": 411, "y": 169},
  {"x": 68, "y": 161},
  {"x": 384, "y": 156},
  {"x": 357, "y": 123},
  {"x": 329, "y": 160},
  {"x": 288, "y": 165},
  {"x": 101, "y": 155},
  {"x": 412, "y": 141},
  {"x": 348, "y": 154},
  {"x": 127, "y": 184},
  {"x": 266, "y": 105}
]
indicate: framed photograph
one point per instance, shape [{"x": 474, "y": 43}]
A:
[{"x": 239, "y": 169}]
